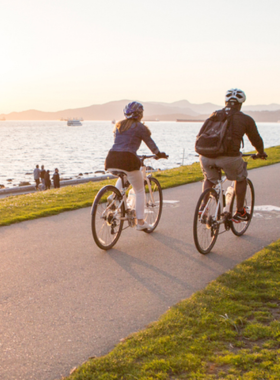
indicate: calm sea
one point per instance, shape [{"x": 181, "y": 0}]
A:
[{"x": 80, "y": 151}]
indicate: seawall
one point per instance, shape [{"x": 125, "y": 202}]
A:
[{"x": 31, "y": 188}]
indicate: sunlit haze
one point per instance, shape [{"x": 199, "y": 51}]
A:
[{"x": 60, "y": 54}]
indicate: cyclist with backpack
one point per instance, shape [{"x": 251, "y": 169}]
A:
[
  {"x": 218, "y": 144},
  {"x": 128, "y": 135}
]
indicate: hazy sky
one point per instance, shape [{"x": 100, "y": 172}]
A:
[{"x": 60, "y": 54}]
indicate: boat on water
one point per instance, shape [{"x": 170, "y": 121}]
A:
[{"x": 74, "y": 122}]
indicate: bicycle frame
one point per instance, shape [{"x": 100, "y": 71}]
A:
[
  {"x": 220, "y": 191},
  {"x": 215, "y": 208},
  {"x": 221, "y": 206},
  {"x": 125, "y": 186},
  {"x": 111, "y": 208}
]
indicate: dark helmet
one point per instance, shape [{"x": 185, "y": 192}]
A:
[{"x": 133, "y": 110}]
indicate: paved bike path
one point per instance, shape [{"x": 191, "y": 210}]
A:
[{"x": 64, "y": 300}]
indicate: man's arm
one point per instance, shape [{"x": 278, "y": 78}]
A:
[{"x": 254, "y": 136}]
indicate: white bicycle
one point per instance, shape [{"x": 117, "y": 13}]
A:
[
  {"x": 214, "y": 208},
  {"x": 112, "y": 207}
]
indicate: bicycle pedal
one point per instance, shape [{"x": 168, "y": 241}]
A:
[{"x": 236, "y": 221}]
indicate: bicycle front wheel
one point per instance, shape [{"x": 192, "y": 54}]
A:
[
  {"x": 205, "y": 226},
  {"x": 240, "y": 228},
  {"x": 153, "y": 203},
  {"x": 107, "y": 217}
]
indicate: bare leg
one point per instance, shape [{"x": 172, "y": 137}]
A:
[
  {"x": 207, "y": 184},
  {"x": 240, "y": 191}
]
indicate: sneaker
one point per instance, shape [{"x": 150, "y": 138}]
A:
[
  {"x": 241, "y": 216},
  {"x": 142, "y": 227}
]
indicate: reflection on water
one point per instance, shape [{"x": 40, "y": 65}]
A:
[{"x": 82, "y": 150}]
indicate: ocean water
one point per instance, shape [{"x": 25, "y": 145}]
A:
[{"x": 80, "y": 151}]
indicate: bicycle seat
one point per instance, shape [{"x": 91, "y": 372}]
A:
[
  {"x": 219, "y": 170},
  {"x": 117, "y": 172},
  {"x": 215, "y": 167}
]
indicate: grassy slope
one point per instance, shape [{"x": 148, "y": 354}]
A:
[
  {"x": 230, "y": 330},
  {"x": 35, "y": 205}
]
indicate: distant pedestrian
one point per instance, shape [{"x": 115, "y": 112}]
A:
[
  {"x": 56, "y": 179},
  {"x": 36, "y": 174},
  {"x": 42, "y": 176},
  {"x": 47, "y": 180}
]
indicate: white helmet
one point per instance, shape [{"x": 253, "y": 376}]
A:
[{"x": 235, "y": 93}]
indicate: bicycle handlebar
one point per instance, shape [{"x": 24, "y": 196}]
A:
[
  {"x": 254, "y": 156},
  {"x": 143, "y": 157}
]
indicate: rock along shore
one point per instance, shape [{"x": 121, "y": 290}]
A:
[{"x": 31, "y": 188}]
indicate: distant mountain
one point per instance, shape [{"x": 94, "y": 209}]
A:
[
  {"x": 182, "y": 109},
  {"x": 176, "y": 116},
  {"x": 205, "y": 108},
  {"x": 262, "y": 107},
  {"x": 107, "y": 111},
  {"x": 265, "y": 116},
  {"x": 208, "y": 108}
]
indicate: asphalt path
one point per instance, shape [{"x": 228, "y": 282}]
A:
[{"x": 63, "y": 300}]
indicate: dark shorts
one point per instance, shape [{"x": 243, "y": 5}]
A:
[
  {"x": 234, "y": 167},
  {"x": 122, "y": 160}
]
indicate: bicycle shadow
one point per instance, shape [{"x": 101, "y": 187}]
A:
[
  {"x": 152, "y": 277},
  {"x": 155, "y": 278},
  {"x": 192, "y": 254},
  {"x": 236, "y": 249}
]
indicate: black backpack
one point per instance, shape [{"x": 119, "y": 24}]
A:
[{"x": 213, "y": 135}]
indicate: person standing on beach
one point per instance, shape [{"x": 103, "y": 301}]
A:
[
  {"x": 42, "y": 176},
  {"x": 36, "y": 174},
  {"x": 47, "y": 180},
  {"x": 56, "y": 179}
]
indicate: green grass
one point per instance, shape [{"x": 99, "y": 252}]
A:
[
  {"x": 36, "y": 205},
  {"x": 230, "y": 330}
]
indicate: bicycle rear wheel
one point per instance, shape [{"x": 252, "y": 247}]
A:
[
  {"x": 240, "y": 228},
  {"x": 107, "y": 217},
  {"x": 153, "y": 204},
  {"x": 205, "y": 227}
]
